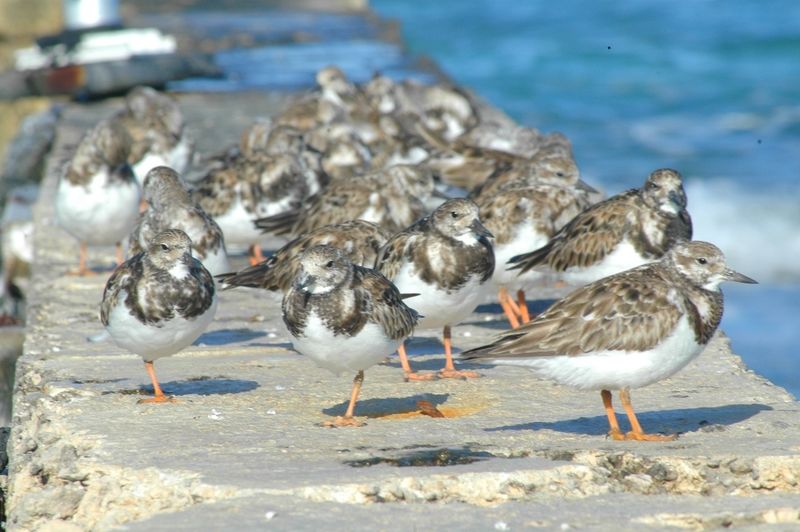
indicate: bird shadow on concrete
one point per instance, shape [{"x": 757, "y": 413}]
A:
[
  {"x": 275, "y": 345},
  {"x": 706, "y": 419},
  {"x": 203, "y": 386},
  {"x": 228, "y": 336},
  {"x": 388, "y": 406}
]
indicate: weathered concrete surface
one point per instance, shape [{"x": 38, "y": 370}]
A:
[{"x": 244, "y": 446}]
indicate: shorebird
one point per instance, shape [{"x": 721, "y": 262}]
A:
[
  {"x": 624, "y": 331},
  {"x": 97, "y": 200},
  {"x": 171, "y": 207},
  {"x": 626, "y": 230},
  {"x": 392, "y": 198},
  {"x": 344, "y": 317},
  {"x": 447, "y": 259},
  {"x": 158, "y": 302},
  {"x": 520, "y": 218},
  {"x": 158, "y": 132},
  {"x": 359, "y": 240}
]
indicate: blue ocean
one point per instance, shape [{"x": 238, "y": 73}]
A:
[{"x": 708, "y": 87}]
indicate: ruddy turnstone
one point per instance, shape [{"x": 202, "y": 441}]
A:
[
  {"x": 155, "y": 123},
  {"x": 336, "y": 96},
  {"x": 622, "y": 232},
  {"x": 520, "y": 218},
  {"x": 171, "y": 207},
  {"x": 392, "y": 198},
  {"x": 159, "y": 302},
  {"x": 448, "y": 260},
  {"x": 345, "y": 317},
  {"x": 360, "y": 241},
  {"x": 624, "y": 331},
  {"x": 250, "y": 187},
  {"x": 97, "y": 200},
  {"x": 551, "y": 169}
]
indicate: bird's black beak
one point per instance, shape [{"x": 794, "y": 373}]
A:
[
  {"x": 586, "y": 187},
  {"x": 678, "y": 198},
  {"x": 736, "y": 277},
  {"x": 479, "y": 229},
  {"x": 305, "y": 282}
]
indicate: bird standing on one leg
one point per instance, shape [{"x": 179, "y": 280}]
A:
[
  {"x": 158, "y": 302},
  {"x": 345, "y": 317}
]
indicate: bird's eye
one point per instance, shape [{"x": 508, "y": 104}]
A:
[
  {"x": 329, "y": 264},
  {"x": 560, "y": 174},
  {"x": 453, "y": 214},
  {"x": 165, "y": 247},
  {"x": 702, "y": 260},
  {"x": 653, "y": 185}
]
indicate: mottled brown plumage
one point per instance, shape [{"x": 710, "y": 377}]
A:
[
  {"x": 171, "y": 207},
  {"x": 354, "y": 297},
  {"x": 358, "y": 239},
  {"x": 432, "y": 246},
  {"x": 104, "y": 147},
  {"x": 392, "y": 198},
  {"x": 652, "y": 218},
  {"x": 624, "y": 331},
  {"x": 151, "y": 292},
  {"x": 547, "y": 207}
]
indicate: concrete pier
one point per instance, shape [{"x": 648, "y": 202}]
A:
[{"x": 243, "y": 447}]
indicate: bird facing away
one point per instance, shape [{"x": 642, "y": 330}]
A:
[
  {"x": 624, "y": 331},
  {"x": 97, "y": 200},
  {"x": 622, "y": 232},
  {"x": 171, "y": 207},
  {"x": 157, "y": 129},
  {"x": 344, "y": 317},
  {"x": 448, "y": 260},
  {"x": 360, "y": 241},
  {"x": 158, "y": 302}
]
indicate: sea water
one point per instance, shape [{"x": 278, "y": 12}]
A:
[{"x": 711, "y": 88}]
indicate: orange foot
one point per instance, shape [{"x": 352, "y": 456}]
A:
[
  {"x": 157, "y": 399},
  {"x": 415, "y": 376},
  {"x": 458, "y": 374},
  {"x": 343, "y": 421},
  {"x": 82, "y": 273},
  {"x": 640, "y": 436}
]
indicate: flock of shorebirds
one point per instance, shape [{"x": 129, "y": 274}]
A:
[{"x": 400, "y": 208}]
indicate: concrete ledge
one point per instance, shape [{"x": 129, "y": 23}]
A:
[{"x": 243, "y": 445}]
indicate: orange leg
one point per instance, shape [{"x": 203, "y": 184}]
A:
[
  {"x": 615, "y": 433},
  {"x": 636, "y": 432},
  {"x": 120, "y": 254},
  {"x": 503, "y": 297},
  {"x": 523, "y": 306},
  {"x": 256, "y": 255},
  {"x": 348, "y": 420},
  {"x": 409, "y": 374},
  {"x": 159, "y": 395},
  {"x": 450, "y": 371},
  {"x": 83, "y": 257}
]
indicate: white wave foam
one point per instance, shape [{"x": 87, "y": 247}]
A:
[{"x": 759, "y": 231}]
